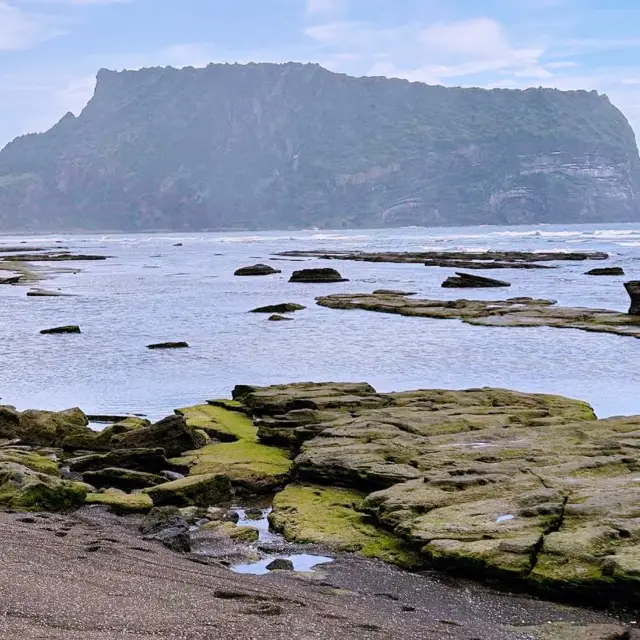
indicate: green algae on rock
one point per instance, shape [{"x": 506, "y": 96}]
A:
[
  {"x": 198, "y": 490},
  {"x": 328, "y": 516},
  {"x": 513, "y": 312},
  {"x": 24, "y": 489},
  {"x": 120, "y": 502},
  {"x": 249, "y": 464},
  {"x": 530, "y": 489}
]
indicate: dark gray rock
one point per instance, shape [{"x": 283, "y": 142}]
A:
[
  {"x": 168, "y": 345},
  {"x": 70, "y": 328},
  {"x": 471, "y": 281},
  {"x": 167, "y": 525},
  {"x": 606, "y": 271},
  {"x": 325, "y": 274},
  {"x": 280, "y": 564},
  {"x": 633, "y": 289},
  {"x": 256, "y": 270}
]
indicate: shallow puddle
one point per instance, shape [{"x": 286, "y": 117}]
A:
[{"x": 301, "y": 562}]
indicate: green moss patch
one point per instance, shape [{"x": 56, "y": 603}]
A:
[
  {"x": 121, "y": 502},
  {"x": 328, "y": 516},
  {"x": 248, "y": 463}
]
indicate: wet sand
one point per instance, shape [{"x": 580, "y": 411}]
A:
[{"x": 89, "y": 576}]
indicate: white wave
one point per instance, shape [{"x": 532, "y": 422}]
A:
[
  {"x": 628, "y": 244},
  {"x": 337, "y": 236}
]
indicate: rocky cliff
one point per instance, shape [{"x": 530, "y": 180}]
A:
[{"x": 278, "y": 146}]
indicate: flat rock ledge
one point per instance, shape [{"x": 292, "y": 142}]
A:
[
  {"x": 168, "y": 345},
  {"x": 513, "y": 312},
  {"x": 525, "y": 489},
  {"x": 456, "y": 259}
]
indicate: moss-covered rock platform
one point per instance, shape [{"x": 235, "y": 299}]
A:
[
  {"x": 513, "y": 312},
  {"x": 529, "y": 489}
]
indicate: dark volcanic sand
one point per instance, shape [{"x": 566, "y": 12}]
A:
[{"x": 89, "y": 576}]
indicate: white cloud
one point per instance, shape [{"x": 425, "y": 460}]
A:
[{"x": 21, "y": 30}]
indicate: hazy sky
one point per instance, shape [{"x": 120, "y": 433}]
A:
[{"x": 50, "y": 50}]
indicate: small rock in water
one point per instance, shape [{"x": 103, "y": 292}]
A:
[
  {"x": 277, "y": 318},
  {"x": 253, "y": 513},
  {"x": 168, "y": 345},
  {"x": 285, "y": 307},
  {"x": 44, "y": 293},
  {"x": 317, "y": 275},
  {"x": 178, "y": 244},
  {"x": 71, "y": 328},
  {"x": 606, "y": 271},
  {"x": 393, "y": 292},
  {"x": 633, "y": 289},
  {"x": 256, "y": 270},
  {"x": 280, "y": 564},
  {"x": 10, "y": 280},
  {"x": 469, "y": 281}
]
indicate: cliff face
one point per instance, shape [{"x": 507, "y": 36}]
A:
[{"x": 279, "y": 146}]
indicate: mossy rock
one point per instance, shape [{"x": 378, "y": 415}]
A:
[
  {"x": 199, "y": 490},
  {"x": 249, "y": 464},
  {"x": 247, "y": 535},
  {"x": 52, "y": 429},
  {"x": 120, "y": 502},
  {"x": 32, "y": 460},
  {"x": 23, "y": 489},
  {"x": 124, "y": 479},
  {"x": 147, "y": 460},
  {"x": 171, "y": 434},
  {"x": 328, "y": 516}
]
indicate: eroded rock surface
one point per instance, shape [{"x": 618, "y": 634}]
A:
[
  {"x": 528, "y": 488},
  {"x": 469, "y": 281},
  {"x": 512, "y": 312}
]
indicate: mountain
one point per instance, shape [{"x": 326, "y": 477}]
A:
[{"x": 262, "y": 146}]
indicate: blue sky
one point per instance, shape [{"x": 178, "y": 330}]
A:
[{"x": 50, "y": 50}]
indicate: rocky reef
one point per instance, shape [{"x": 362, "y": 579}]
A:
[
  {"x": 512, "y": 312},
  {"x": 457, "y": 259},
  {"x": 527, "y": 490}
]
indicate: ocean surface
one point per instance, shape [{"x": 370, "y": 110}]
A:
[{"x": 152, "y": 291}]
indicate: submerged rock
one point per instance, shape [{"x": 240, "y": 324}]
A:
[
  {"x": 70, "y": 328},
  {"x": 256, "y": 270},
  {"x": 278, "y": 318},
  {"x": 285, "y": 307},
  {"x": 512, "y": 312},
  {"x": 317, "y": 275},
  {"x": 606, "y": 271},
  {"x": 201, "y": 491},
  {"x": 168, "y": 345},
  {"x": 469, "y": 281},
  {"x": 633, "y": 289},
  {"x": 280, "y": 564},
  {"x": 45, "y": 293}
]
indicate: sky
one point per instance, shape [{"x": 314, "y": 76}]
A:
[{"x": 50, "y": 50}]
